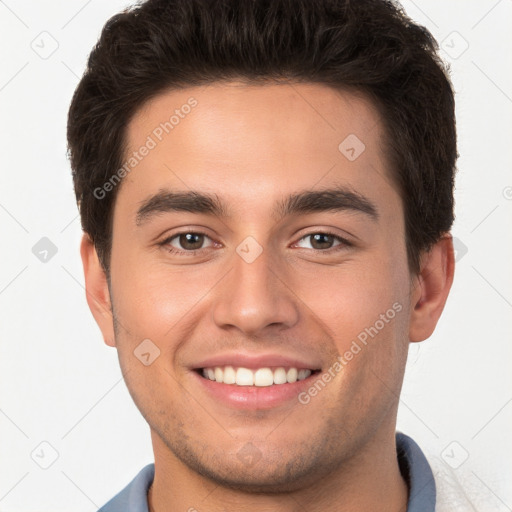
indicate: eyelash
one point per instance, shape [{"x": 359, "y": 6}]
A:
[{"x": 344, "y": 243}]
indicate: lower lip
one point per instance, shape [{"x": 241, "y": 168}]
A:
[{"x": 255, "y": 397}]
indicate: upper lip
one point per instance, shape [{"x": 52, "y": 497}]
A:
[{"x": 254, "y": 361}]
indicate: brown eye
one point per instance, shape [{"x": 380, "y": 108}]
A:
[
  {"x": 186, "y": 242},
  {"x": 191, "y": 241},
  {"x": 323, "y": 241}
]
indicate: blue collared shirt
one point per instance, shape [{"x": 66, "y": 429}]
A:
[{"x": 413, "y": 465}]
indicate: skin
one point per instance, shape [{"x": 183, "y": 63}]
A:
[{"x": 252, "y": 145}]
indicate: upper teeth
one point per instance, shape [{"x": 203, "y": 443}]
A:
[{"x": 259, "y": 377}]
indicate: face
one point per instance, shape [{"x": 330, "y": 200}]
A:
[{"x": 288, "y": 279}]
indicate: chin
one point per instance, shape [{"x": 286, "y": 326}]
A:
[
  {"x": 271, "y": 471},
  {"x": 262, "y": 478}
]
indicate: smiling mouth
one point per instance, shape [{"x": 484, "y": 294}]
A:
[{"x": 260, "y": 377}]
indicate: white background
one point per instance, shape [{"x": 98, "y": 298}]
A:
[{"x": 60, "y": 384}]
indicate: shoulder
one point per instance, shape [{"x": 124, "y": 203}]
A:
[
  {"x": 433, "y": 485},
  {"x": 133, "y": 498},
  {"x": 451, "y": 486}
]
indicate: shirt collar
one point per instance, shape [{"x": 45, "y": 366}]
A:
[
  {"x": 418, "y": 475},
  {"x": 413, "y": 465}
]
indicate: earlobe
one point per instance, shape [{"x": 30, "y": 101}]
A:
[
  {"x": 97, "y": 292},
  {"x": 431, "y": 289}
]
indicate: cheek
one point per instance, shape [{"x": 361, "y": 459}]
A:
[
  {"x": 154, "y": 301},
  {"x": 365, "y": 309},
  {"x": 353, "y": 299}
]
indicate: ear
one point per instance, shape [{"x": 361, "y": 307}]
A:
[
  {"x": 96, "y": 288},
  {"x": 431, "y": 288}
]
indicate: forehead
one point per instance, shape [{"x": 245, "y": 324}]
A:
[{"x": 255, "y": 141}]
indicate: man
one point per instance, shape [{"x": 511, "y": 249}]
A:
[{"x": 266, "y": 193}]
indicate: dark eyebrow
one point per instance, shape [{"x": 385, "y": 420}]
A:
[
  {"x": 332, "y": 199},
  {"x": 310, "y": 201},
  {"x": 167, "y": 201}
]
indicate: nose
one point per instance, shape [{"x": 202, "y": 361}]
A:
[{"x": 254, "y": 297}]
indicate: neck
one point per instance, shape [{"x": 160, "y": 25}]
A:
[{"x": 368, "y": 481}]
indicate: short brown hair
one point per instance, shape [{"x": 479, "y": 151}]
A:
[{"x": 369, "y": 46}]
